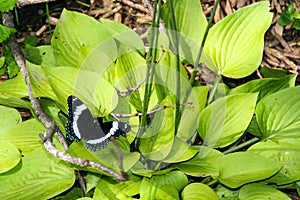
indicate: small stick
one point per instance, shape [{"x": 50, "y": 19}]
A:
[
  {"x": 22, "y": 3},
  {"x": 135, "y": 6},
  {"x": 115, "y": 115}
]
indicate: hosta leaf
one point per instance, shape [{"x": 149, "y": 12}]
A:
[
  {"x": 9, "y": 118},
  {"x": 149, "y": 187},
  {"x": 39, "y": 82},
  {"x": 285, "y": 154},
  {"x": 260, "y": 191},
  {"x": 222, "y": 122},
  {"x": 25, "y": 135},
  {"x": 38, "y": 175},
  {"x": 157, "y": 141},
  {"x": 68, "y": 39},
  {"x": 239, "y": 168},
  {"x": 41, "y": 55},
  {"x": 235, "y": 44},
  {"x": 190, "y": 23},
  {"x": 9, "y": 156},
  {"x": 14, "y": 87},
  {"x": 277, "y": 116},
  {"x": 265, "y": 86},
  {"x": 97, "y": 93},
  {"x": 205, "y": 163},
  {"x": 194, "y": 191},
  {"x": 180, "y": 152},
  {"x": 108, "y": 189},
  {"x": 108, "y": 156}
]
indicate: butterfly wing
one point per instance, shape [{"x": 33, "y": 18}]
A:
[
  {"x": 82, "y": 125},
  {"x": 113, "y": 129}
]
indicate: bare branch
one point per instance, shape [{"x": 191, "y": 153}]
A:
[
  {"x": 77, "y": 161},
  {"x": 115, "y": 115},
  {"x": 22, "y": 3}
]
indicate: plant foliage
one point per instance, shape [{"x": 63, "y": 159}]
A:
[{"x": 94, "y": 59}]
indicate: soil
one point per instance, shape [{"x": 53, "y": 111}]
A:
[{"x": 282, "y": 44}]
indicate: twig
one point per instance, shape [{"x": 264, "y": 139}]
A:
[
  {"x": 77, "y": 161},
  {"x": 22, "y": 3},
  {"x": 115, "y": 115},
  {"x": 49, "y": 124},
  {"x": 151, "y": 9},
  {"x": 125, "y": 93},
  {"x": 20, "y": 60},
  {"x": 135, "y": 6}
]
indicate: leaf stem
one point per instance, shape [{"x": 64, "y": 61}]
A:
[
  {"x": 214, "y": 89},
  {"x": 48, "y": 17},
  {"x": 209, "y": 24},
  {"x": 243, "y": 145},
  {"x": 176, "y": 49},
  {"x": 150, "y": 68}
]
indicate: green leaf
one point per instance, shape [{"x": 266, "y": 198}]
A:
[
  {"x": 97, "y": 93},
  {"x": 226, "y": 193},
  {"x": 157, "y": 141},
  {"x": 41, "y": 55},
  {"x": 128, "y": 72},
  {"x": 38, "y": 175},
  {"x": 296, "y": 24},
  {"x": 109, "y": 156},
  {"x": 15, "y": 87},
  {"x": 234, "y": 46},
  {"x": 285, "y": 19},
  {"x": 194, "y": 191},
  {"x": 276, "y": 116},
  {"x": 265, "y": 86},
  {"x": 167, "y": 192},
  {"x": 124, "y": 35},
  {"x": 12, "y": 92},
  {"x": 12, "y": 69},
  {"x": 260, "y": 191},
  {"x": 2, "y": 60},
  {"x": 67, "y": 39},
  {"x": 9, "y": 156},
  {"x": 190, "y": 23},
  {"x": 240, "y": 168},
  {"x": 111, "y": 189},
  {"x": 150, "y": 187},
  {"x": 39, "y": 82},
  {"x": 9, "y": 118},
  {"x": 53, "y": 111},
  {"x": 205, "y": 163},
  {"x": 190, "y": 115},
  {"x": 5, "y": 32},
  {"x": 31, "y": 41},
  {"x": 290, "y": 9},
  {"x": 180, "y": 152},
  {"x": 285, "y": 154},
  {"x": 222, "y": 122},
  {"x": 25, "y": 135},
  {"x": 273, "y": 72},
  {"x": 91, "y": 180}
]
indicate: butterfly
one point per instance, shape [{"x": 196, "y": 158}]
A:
[{"x": 82, "y": 125}]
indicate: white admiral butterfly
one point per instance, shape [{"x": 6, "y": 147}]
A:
[{"x": 82, "y": 125}]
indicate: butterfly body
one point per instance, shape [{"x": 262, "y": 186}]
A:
[{"x": 82, "y": 125}]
